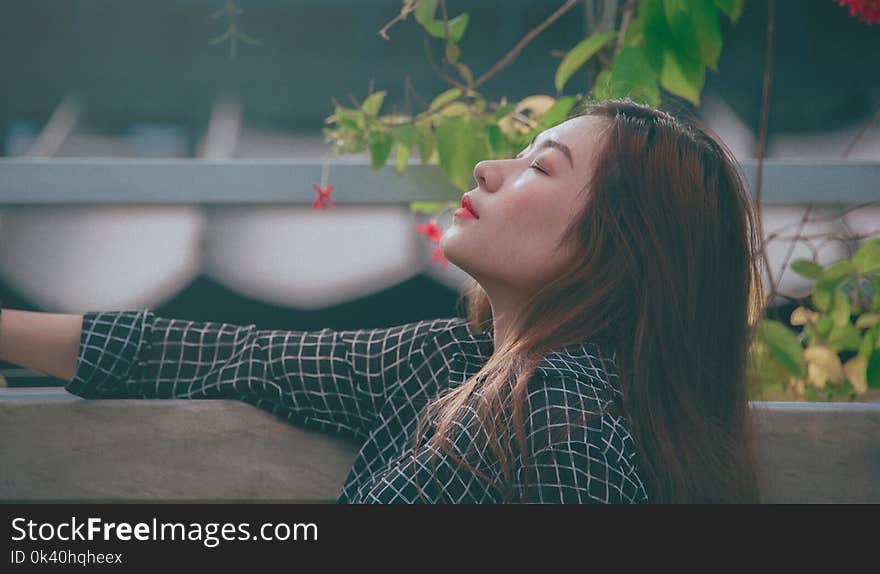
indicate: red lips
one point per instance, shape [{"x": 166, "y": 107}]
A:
[{"x": 466, "y": 203}]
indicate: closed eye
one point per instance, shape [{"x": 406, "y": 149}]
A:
[{"x": 539, "y": 168}]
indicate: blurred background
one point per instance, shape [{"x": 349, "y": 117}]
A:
[{"x": 142, "y": 80}]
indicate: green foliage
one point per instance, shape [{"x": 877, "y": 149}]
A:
[
  {"x": 682, "y": 38},
  {"x": 632, "y": 77},
  {"x": 380, "y": 148},
  {"x": 373, "y": 103},
  {"x": 666, "y": 45},
  {"x": 843, "y": 319},
  {"x": 807, "y": 268},
  {"x": 733, "y": 8},
  {"x": 425, "y": 13},
  {"x": 784, "y": 346},
  {"x": 431, "y": 206},
  {"x": 579, "y": 55},
  {"x": 461, "y": 143}
]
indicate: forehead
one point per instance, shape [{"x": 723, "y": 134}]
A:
[{"x": 580, "y": 134}]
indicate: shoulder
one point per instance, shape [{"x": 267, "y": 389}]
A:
[
  {"x": 575, "y": 389},
  {"x": 562, "y": 407},
  {"x": 574, "y": 421},
  {"x": 450, "y": 335},
  {"x": 587, "y": 363},
  {"x": 454, "y": 328}
]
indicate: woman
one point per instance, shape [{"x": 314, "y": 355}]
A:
[{"x": 602, "y": 358}]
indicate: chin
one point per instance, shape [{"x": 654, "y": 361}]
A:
[{"x": 448, "y": 248}]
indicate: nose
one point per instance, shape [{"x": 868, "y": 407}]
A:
[{"x": 486, "y": 176}]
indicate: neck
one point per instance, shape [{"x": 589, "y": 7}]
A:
[{"x": 504, "y": 304}]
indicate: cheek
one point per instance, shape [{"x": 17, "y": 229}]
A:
[
  {"x": 540, "y": 218},
  {"x": 529, "y": 227},
  {"x": 529, "y": 208}
]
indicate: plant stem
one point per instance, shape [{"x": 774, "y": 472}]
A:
[
  {"x": 514, "y": 52},
  {"x": 765, "y": 109}
]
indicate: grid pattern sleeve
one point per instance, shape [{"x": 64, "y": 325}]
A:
[
  {"x": 579, "y": 446},
  {"x": 326, "y": 379}
]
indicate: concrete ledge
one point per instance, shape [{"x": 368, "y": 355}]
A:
[{"x": 55, "y": 446}]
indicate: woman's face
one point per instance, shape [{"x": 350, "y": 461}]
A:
[{"x": 523, "y": 210}]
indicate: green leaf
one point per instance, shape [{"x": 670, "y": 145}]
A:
[
  {"x": 824, "y": 325},
  {"x": 838, "y": 271},
  {"x": 601, "y": 88},
  {"x": 810, "y": 394},
  {"x": 673, "y": 46},
  {"x": 579, "y": 55},
  {"x": 557, "y": 112},
  {"x": 874, "y": 369},
  {"x": 867, "y": 320},
  {"x": 807, "y": 268},
  {"x": 456, "y": 109},
  {"x": 495, "y": 138},
  {"x": 784, "y": 346},
  {"x": 380, "y": 148},
  {"x": 869, "y": 341},
  {"x": 655, "y": 31},
  {"x": 504, "y": 110},
  {"x": 632, "y": 76},
  {"x": 349, "y": 117},
  {"x": 401, "y": 157},
  {"x": 823, "y": 295},
  {"x": 348, "y": 123},
  {"x": 429, "y": 206},
  {"x": 867, "y": 257},
  {"x": 633, "y": 35},
  {"x": 707, "y": 24},
  {"x": 444, "y": 98},
  {"x": 875, "y": 300},
  {"x": 466, "y": 74},
  {"x": 405, "y": 134},
  {"x": 831, "y": 277},
  {"x": 373, "y": 103},
  {"x": 460, "y": 145},
  {"x": 425, "y": 142},
  {"x": 842, "y": 310},
  {"x": 457, "y": 26},
  {"x": 682, "y": 25},
  {"x": 425, "y": 11},
  {"x": 733, "y": 8},
  {"x": 845, "y": 338},
  {"x": 682, "y": 76}
]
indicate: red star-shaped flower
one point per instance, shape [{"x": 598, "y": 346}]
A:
[
  {"x": 434, "y": 232},
  {"x": 323, "y": 199},
  {"x": 437, "y": 255},
  {"x": 867, "y": 10},
  {"x": 431, "y": 230}
]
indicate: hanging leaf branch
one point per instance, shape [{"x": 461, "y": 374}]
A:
[{"x": 656, "y": 44}]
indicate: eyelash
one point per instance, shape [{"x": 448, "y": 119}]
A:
[{"x": 539, "y": 168}]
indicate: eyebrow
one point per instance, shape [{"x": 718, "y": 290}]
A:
[{"x": 552, "y": 144}]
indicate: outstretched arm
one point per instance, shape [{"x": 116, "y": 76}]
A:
[
  {"x": 44, "y": 342},
  {"x": 333, "y": 380}
]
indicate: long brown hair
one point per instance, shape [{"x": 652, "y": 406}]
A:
[{"x": 668, "y": 279}]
